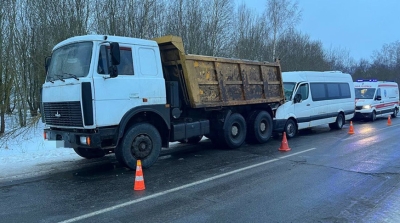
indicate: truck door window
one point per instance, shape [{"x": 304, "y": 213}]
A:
[{"x": 124, "y": 68}]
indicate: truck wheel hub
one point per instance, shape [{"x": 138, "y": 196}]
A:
[
  {"x": 235, "y": 130},
  {"x": 263, "y": 126},
  {"x": 141, "y": 146}
]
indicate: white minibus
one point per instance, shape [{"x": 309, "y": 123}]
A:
[{"x": 315, "y": 98}]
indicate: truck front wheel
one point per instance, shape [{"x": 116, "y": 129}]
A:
[{"x": 141, "y": 142}]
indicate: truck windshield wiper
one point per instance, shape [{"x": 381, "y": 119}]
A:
[
  {"x": 60, "y": 77},
  {"x": 72, "y": 75}
]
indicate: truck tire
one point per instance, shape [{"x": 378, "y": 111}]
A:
[
  {"x": 290, "y": 129},
  {"x": 89, "y": 153},
  {"x": 259, "y": 127},
  {"x": 338, "y": 124},
  {"x": 141, "y": 142},
  {"x": 234, "y": 134}
]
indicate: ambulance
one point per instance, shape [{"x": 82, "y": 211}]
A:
[{"x": 376, "y": 99}]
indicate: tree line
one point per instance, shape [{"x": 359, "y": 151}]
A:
[{"x": 29, "y": 30}]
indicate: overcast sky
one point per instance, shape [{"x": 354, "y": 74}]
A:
[{"x": 359, "y": 26}]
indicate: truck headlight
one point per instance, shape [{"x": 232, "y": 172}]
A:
[
  {"x": 85, "y": 140},
  {"x": 366, "y": 107}
]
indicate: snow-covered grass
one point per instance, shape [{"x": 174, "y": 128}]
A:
[{"x": 24, "y": 152}]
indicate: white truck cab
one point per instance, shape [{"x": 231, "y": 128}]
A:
[{"x": 376, "y": 99}]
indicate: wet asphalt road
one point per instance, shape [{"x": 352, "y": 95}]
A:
[{"x": 328, "y": 176}]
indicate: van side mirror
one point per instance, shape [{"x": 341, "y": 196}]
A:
[
  {"x": 297, "y": 98},
  {"x": 47, "y": 63},
  {"x": 378, "y": 98}
]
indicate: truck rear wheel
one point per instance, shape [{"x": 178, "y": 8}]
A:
[
  {"x": 234, "y": 133},
  {"x": 141, "y": 142},
  {"x": 259, "y": 127},
  {"x": 89, "y": 153}
]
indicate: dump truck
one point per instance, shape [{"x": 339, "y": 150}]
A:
[{"x": 132, "y": 97}]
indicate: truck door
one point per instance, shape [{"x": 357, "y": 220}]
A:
[
  {"x": 113, "y": 97},
  {"x": 302, "y": 105}
]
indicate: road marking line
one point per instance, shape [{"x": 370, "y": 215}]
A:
[{"x": 179, "y": 188}]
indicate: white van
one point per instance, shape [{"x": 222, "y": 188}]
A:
[
  {"x": 376, "y": 99},
  {"x": 315, "y": 98}
]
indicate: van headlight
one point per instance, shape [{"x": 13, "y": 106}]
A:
[{"x": 366, "y": 107}]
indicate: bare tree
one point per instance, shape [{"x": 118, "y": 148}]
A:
[
  {"x": 218, "y": 27},
  {"x": 7, "y": 68},
  {"x": 251, "y": 39},
  {"x": 281, "y": 15}
]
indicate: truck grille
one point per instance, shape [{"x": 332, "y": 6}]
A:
[
  {"x": 63, "y": 113},
  {"x": 359, "y": 107}
]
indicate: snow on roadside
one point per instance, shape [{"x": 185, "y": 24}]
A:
[{"x": 28, "y": 154}]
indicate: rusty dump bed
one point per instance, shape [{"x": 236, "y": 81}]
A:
[{"x": 214, "y": 82}]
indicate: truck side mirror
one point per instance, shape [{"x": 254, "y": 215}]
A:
[
  {"x": 47, "y": 63},
  {"x": 115, "y": 54},
  {"x": 115, "y": 59},
  {"x": 297, "y": 98}
]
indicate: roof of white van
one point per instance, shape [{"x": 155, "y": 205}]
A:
[{"x": 297, "y": 76}]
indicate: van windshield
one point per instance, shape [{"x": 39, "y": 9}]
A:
[
  {"x": 365, "y": 93},
  {"x": 288, "y": 88}
]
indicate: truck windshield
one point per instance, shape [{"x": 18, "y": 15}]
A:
[
  {"x": 365, "y": 93},
  {"x": 288, "y": 88},
  {"x": 70, "y": 61}
]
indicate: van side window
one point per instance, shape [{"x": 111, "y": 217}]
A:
[
  {"x": 303, "y": 90},
  {"x": 318, "y": 91},
  {"x": 330, "y": 91},
  {"x": 124, "y": 68},
  {"x": 345, "y": 90},
  {"x": 333, "y": 91}
]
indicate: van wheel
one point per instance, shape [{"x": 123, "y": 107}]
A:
[
  {"x": 259, "y": 127},
  {"x": 234, "y": 134},
  {"x": 373, "y": 116},
  {"x": 89, "y": 153},
  {"x": 141, "y": 142},
  {"x": 290, "y": 129},
  {"x": 395, "y": 112},
  {"x": 338, "y": 124}
]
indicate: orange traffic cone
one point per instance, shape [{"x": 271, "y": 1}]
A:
[
  {"x": 351, "y": 129},
  {"x": 389, "y": 121},
  {"x": 284, "y": 145},
  {"x": 139, "y": 180}
]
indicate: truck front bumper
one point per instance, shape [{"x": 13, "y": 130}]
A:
[{"x": 92, "y": 139}]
